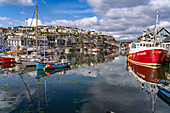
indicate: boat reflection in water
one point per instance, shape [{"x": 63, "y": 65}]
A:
[
  {"x": 12, "y": 67},
  {"x": 152, "y": 80},
  {"x": 44, "y": 74}
]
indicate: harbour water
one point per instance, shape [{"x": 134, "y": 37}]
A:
[{"x": 108, "y": 87}]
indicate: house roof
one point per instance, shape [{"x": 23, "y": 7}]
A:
[
  {"x": 164, "y": 29},
  {"x": 167, "y": 39}
]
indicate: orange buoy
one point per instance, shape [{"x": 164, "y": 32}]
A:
[
  {"x": 111, "y": 70},
  {"x": 63, "y": 64},
  {"x": 89, "y": 71},
  {"x": 40, "y": 61},
  {"x": 52, "y": 66},
  {"x": 48, "y": 65},
  {"x": 49, "y": 73}
]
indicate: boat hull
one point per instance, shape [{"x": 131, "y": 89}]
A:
[
  {"x": 40, "y": 65},
  {"x": 148, "y": 57},
  {"x": 8, "y": 60},
  {"x": 164, "y": 94}
]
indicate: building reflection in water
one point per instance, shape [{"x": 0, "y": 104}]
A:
[{"x": 152, "y": 80}]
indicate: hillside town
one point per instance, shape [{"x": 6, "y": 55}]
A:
[{"x": 53, "y": 37}]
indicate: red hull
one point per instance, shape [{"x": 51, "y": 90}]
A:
[
  {"x": 148, "y": 57},
  {"x": 8, "y": 60},
  {"x": 145, "y": 73},
  {"x": 8, "y": 65}
]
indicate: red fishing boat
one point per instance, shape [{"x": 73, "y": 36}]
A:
[
  {"x": 10, "y": 58},
  {"x": 146, "y": 53}
]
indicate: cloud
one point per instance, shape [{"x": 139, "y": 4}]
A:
[
  {"x": 101, "y": 6},
  {"x": 33, "y": 21},
  {"x": 72, "y": 11},
  {"x": 17, "y": 2},
  {"x": 82, "y": 23},
  {"x": 22, "y": 12},
  {"x": 3, "y": 18},
  {"x": 43, "y": 1}
]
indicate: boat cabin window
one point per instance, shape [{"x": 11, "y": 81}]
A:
[{"x": 157, "y": 45}]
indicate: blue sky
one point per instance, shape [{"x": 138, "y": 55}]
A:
[{"x": 123, "y": 19}]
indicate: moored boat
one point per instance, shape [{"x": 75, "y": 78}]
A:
[
  {"x": 164, "y": 94},
  {"x": 146, "y": 53},
  {"x": 10, "y": 59}
]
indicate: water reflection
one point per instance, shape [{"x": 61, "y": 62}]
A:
[
  {"x": 24, "y": 89},
  {"x": 154, "y": 81},
  {"x": 81, "y": 59}
]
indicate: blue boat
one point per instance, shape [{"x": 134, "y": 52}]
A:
[{"x": 164, "y": 94}]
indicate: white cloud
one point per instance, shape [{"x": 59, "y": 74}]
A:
[
  {"x": 3, "y": 18},
  {"x": 22, "y": 12},
  {"x": 17, "y": 2},
  {"x": 102, "y": 6},
  {"x": 33, "y": 21},
  {"x": 82, "y": 23}
]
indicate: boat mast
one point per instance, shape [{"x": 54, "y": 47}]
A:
[
  {"x": 36, "y": 30},
  {"x": 157, "y": 22}
]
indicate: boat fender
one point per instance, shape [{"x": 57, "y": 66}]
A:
[
  {"x": 52, "y": 66},
  {"x": 49, "y": 73},
  {"x": 89, "y": 71},
  {"x": 49, "y": 66},
  {"x": 111, "y": 70},
  {"x": 166, "y": 73},
  {"x": 63, "y": 64}
]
